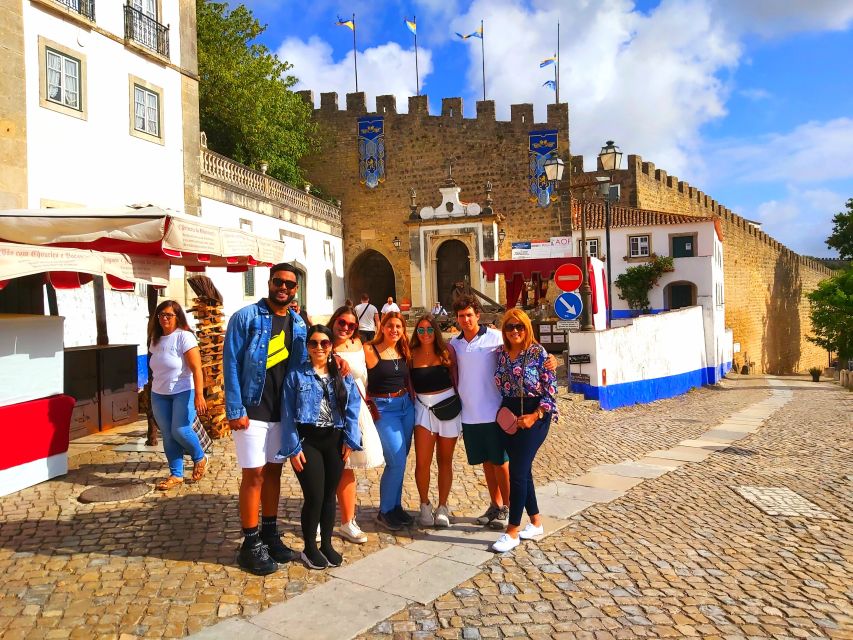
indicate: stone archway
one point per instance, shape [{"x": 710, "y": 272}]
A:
[
  {"x": 453, "y": 264},
  {"x": 371, "y": 273},
  {"x": 677, "y": 295}
]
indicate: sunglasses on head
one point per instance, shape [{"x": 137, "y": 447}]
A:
[
  {"x": 347, "y": 326},
  {"x": 279, "y": 282},
  {"x": 324, "y": 344},
  {"x": 425, "y": 330},
  {"x": 509, "y": 328}
]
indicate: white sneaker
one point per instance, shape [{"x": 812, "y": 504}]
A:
[
  {"x": 426, "y": 518},
  {"x": 505, "y": 543},
  {"x": 531, "y": 531},
  {"x": 317, "y": 538},
  {"x": 442, "y": 516},
  {"x": 352, "y": 532}
]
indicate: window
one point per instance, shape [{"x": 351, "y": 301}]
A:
[
  {"x": 62, "y": 75},
  {"x": 638, "y": 246},
  {"x": 146, "y": 110},
  {"x": 329, "y": 292},
  {"x": 591, "y": 247}
]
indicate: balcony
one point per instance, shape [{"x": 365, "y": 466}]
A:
[
  {"x": 85, "y": 8},
  {"x": 145, "y": 31}
]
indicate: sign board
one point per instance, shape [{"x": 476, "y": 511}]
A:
[
  {"x": 568, "y": 277},
  {"x": 556, "y": 247},
  {"x": 568, "y": 325},
  {"x": 568, "y": 306},
  {"x": 579, "y": 358},
  {"x": 580, "y": 377}
]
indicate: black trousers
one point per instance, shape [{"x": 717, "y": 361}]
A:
[{"x": 319, "y": 479}]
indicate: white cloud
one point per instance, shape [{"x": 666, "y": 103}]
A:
[
  {"x": 802, "y": 220},
  {"x": 774, "y": 18},
  {"x": 755, "y": 94},
  {"x": 384, "y": 69}
]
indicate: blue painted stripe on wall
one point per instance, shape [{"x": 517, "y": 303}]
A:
[
  {"x": 622, "y": 314},
  {"x": 643, "y": 391},
  {"x": 142, "y": 370}
]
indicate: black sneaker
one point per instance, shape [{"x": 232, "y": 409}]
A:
[
  {"x": 404, "y": 517},
  {"x": 279, "y": 551},
  {"x": 389, "y": 521},
  {"x": 314, "y": 559},
  {"x": 256, "y": 559},
  {"x": 335, "y": 559}
]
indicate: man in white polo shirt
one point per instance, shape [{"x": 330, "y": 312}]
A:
[{"x": 476, "y": 350}]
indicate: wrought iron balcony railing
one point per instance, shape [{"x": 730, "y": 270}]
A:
[
  {"x": 145, "y": 30},
  {"x": 85, "y": 8}
]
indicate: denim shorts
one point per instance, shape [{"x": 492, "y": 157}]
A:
[{"x": 483, "y": 443}]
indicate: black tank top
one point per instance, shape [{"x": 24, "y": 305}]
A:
[
  {"x": 429, "y": 379},
  {"x": 388, "y": 376}
]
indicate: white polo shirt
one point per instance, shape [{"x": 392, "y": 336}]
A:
[{"x": 477, "y": 361}]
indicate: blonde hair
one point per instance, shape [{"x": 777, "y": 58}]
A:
[{"x": 519, "y": 316}]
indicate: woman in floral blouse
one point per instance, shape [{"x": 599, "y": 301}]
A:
[{"x": 529, "y": 391}]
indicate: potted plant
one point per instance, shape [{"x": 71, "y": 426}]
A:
[{"x": 815, "y": 371}]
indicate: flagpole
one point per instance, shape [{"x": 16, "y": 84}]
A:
[
  {"x": 557, "y": 67},
  {"x": 354, "y": 53},
  {"x": 417, "y": 76},
  {"x": 483, "y": 53}
]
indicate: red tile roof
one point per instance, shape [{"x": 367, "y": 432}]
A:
[{"x": 627, "y": 216}]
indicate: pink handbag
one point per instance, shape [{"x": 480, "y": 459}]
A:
[{"x": 507, "y": 421}]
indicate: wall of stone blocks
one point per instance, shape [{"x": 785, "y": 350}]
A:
[
  {"x": 13, "y": 108},
  {"x": 417, "y": 148}
]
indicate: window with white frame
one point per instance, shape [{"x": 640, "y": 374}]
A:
[
  {"x": 63, "y": 79},
  {"x": 591, "y": 247},
  {"x": 638, "y": 246},
  {"x": 146, "y": 111}
]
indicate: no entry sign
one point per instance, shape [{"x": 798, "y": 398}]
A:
[{"x": 568, "y": 277}]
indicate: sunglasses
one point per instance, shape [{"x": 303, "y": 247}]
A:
[
  {"x": 278, "y": 282},
  {"x": 320, "y": 344},
  {"x": 347, "y": 326},
  {"x": 166, "y": 316},
  {"x": 509, "y": 328},
  {"x": 425, "y": 330}
]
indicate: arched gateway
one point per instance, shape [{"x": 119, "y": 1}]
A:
[
  {"x": 452, "y": 266},
  {"x": 371, "y": 273}
]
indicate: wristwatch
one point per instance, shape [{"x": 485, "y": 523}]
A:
[{"x": 540, "y": 412}]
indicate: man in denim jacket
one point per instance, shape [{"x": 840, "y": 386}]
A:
[{"x": 264, "y": 341}]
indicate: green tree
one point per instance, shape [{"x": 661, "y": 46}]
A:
[
  {"x": 841, "y": 238},
  {"x": 636, "y": 282},
  {"x": 246, "y": 105},
  {"x": 832, "y": 315}
]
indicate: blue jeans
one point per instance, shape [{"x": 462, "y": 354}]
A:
[
  {"x": 174, "y": 414},
  {"x": 395, "y": 426},
  {"x": 521, "y": 447}
]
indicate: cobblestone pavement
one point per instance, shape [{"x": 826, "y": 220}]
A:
[
  {"x": 163, "y": 565},
  {"x": 684, "y": 555}
]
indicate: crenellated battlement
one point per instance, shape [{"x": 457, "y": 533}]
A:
[{"x": 418, "y": 108}]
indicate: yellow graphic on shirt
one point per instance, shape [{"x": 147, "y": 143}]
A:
[{"x": 278, "y": 351}]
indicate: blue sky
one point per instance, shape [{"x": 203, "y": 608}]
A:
[{"x": 749, "y": 100}]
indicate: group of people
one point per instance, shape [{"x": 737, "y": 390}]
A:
[{"x": 331, "y": 399}]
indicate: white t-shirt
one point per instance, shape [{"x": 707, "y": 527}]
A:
[
  {"x": 476, "y": 362},
  {"x": 367, "y": 318},
  {"x": 390, "y": 306},
  {"x": 170, "y": 373}
]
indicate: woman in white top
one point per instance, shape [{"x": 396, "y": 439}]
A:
[
  {"x": 175, "y": 375},
  {"x": 344, "y": 326}
]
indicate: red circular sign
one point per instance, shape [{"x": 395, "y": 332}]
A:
[{"x": 568, "y": 277}]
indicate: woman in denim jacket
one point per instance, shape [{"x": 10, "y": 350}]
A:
[{"x": 319, "y": 430}]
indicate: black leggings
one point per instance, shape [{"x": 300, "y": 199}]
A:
[{"x": 319, "y": 479}]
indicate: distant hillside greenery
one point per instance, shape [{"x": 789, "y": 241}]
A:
[{"x": 246, "y": 105}]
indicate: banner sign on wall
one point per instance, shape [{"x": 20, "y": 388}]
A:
[
  {"x": 371, "y": 150},
  {"x": 541, "y": 145}
]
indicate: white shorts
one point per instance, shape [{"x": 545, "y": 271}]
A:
[
  {"x": 426, "y": 418},
  {"x": 258, "y": 444}
]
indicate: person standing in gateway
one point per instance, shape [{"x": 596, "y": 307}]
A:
[
  {"x": 368, "y": 319},
  {"x": 263, "y": 342}
]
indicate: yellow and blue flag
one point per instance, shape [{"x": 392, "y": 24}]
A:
[
  {"x": 551, "y": 84},
  {"x": 413, "y": 27},
  {"x": 547, "y": 61},
  {"x": 346, "y": 23},
  {"x": 476, "y": 34}
]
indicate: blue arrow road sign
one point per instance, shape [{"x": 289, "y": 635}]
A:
[{"x": 568, "y": 306}]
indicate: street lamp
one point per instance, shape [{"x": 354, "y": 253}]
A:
[
  {"x": 501, "y": 236},
  {"x": 554, "y": 166},
  {"x": 610, "y": 158},
  {"x": 396, "y": 242}
]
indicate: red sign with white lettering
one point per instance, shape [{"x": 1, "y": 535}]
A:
[{"x": 568, "y": 277}]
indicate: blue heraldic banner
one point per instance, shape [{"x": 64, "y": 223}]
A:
[
  {"x": 541, "y": 145},
  {"x": 371, "y": 150}
]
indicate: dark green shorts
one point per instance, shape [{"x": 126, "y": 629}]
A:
[{"x": 483, "y": 443}]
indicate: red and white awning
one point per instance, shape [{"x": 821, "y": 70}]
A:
[
  {"x": 141, "y": 231},
  {"x": 71, "y": 268}
]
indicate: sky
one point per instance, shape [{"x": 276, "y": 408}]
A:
[{"x": 750, "y": 101}]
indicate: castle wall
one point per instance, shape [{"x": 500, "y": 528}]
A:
[{"x": 417, "y": 148}]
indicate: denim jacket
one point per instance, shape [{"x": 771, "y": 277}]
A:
[
  {"x": 301, "y": 405},
  {"x": 245, "y": 355}
]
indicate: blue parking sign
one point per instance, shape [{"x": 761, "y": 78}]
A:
[{"x": 568, "y": 306}]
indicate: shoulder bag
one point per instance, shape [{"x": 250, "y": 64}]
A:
[{"x": 505, "y": 418}]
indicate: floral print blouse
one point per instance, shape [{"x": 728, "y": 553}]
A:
[{"x": 538, "y": 381}]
